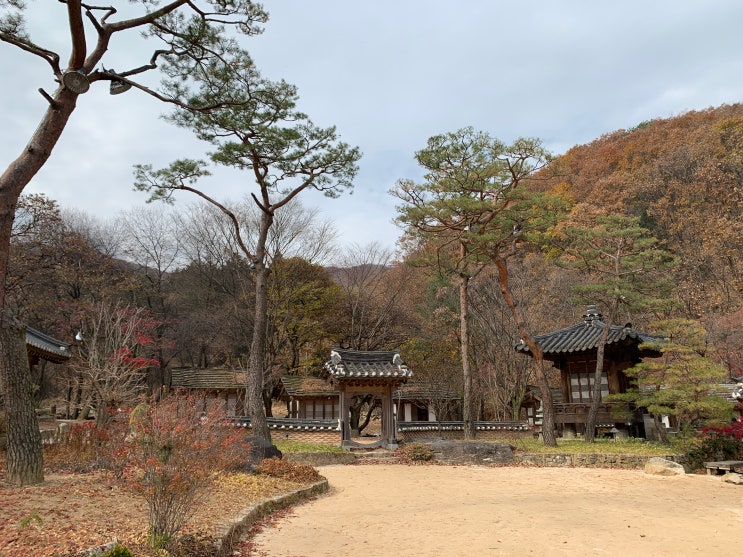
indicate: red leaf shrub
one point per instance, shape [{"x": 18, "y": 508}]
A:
[{"x": 173, "y": 454}]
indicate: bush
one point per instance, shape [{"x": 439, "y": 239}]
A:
[
  {"x": 85, "y": 447},
  {"x": 118, "y": 551},
  {"x": 172, "y": 456},
  {"x": 715, "y": 444},
  {"x": 288, "y": 470},
  {"x": 414, "y": 452}
]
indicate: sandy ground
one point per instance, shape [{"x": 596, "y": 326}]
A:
[{"x": 399, "y": 510}]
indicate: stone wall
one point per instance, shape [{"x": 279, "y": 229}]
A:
[{"x": 624, "y": 461}]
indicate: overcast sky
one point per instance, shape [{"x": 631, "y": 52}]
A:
[{"x": 390, "y": 74}]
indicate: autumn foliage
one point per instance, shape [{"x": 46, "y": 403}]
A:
[{"x": 173, "y": 454}]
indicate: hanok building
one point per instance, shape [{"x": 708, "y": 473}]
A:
[
  {"x": 355, "y": 373},
  {"x": 223, "y": 385},
  {"x": 309, "y": 398},
  {"x": 573, "y": 351},
  {"x": 40, "y": 346},
  {"x": 425, "y": 401}
]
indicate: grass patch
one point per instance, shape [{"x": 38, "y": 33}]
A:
[
  {"x": 288, "y": 446},
  {"x": 600, "y": 446}
]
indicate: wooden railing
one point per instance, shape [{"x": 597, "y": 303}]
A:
[{"x": 577, "y": 412}]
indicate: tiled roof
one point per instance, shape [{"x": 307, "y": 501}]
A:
[
  {"x": 46, "y": 347},
  {"x": 459, "y": 426},
  {"x": 728, "y": 391},
  {"x": 213, "y": 379},
  {"x": 584, "y": 336},
  {"x": 352, "y": 364},
  {"x": 416, "y": 390},
  {"x": 296, "y": 385}
]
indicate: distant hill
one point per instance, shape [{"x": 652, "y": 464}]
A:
[{"x": 684, "y": 177}]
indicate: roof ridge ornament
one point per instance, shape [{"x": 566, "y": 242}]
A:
[{"x": 592, "y": 314}]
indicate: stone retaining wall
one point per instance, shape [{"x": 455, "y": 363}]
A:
[
  {"x": 624, "y": 461},
  {"x": 320, "y": 459},
  {"x": 229, "y": 534}
]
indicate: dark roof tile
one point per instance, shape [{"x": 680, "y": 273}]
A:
[
  {"x": 210, "y": 379},
  {"x": 46, "y": 347},
  {"x": 352, "y": 364},
  {"x": 584, "y": 336}
]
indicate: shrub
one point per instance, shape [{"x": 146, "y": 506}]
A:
[
  {"x": 288, "y": 470},
  {"x": 414, "y": 452},
  {"x": 118, "y": 551},
  {"x": 85, "y": 447},
  {"x": 173, "y": 455},
  {"x": 724, "y": 443}
]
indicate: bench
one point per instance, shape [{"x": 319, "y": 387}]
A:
[{"x": 723, "y": 466}]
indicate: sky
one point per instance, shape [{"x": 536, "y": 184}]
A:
[{"x": 389, "y": 74}]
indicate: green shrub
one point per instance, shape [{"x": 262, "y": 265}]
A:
[
  {"x": 712, "y": 446},
  {"x": 118, "y": 551}
]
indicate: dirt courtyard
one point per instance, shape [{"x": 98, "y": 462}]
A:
[{"x": 448, "y": 511}]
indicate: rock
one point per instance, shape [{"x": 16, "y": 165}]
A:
[
  {"x": 733, "y": 478},
  {"x": 259, "y": 450},
  {"x": 662, "y": 467},
  {"x": 471, "y": 452}
]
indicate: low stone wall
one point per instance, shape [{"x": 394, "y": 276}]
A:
[
  {"x": 230, "y": 533},
  {"x": 320, "y": 459},
  {"x": 471, "y": 452},
  {"x": 322, "y": 437},
  {"x": 623, "y": 461}
]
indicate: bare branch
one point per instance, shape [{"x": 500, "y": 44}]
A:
[{"x": 49, "y": 99}]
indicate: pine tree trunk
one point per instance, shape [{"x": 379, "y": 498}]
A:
[
  {"x": 467, "y": 410},
  {"x": 24, "y": 455},
  {"x": 25, "y": 460},
  {"x": 254, "y": 393},
  {"x": 593, "y": 411},
  {"x": 548, "y": 412}
]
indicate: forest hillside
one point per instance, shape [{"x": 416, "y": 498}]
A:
[{"x": 683, "y": 176}]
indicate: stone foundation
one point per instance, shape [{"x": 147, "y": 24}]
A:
[{"x": 623, "y": 461}]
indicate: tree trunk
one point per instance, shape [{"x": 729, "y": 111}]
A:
[
  {"x": 596, "y": 395},
  {"x": 25, "y": 460},
  {"x": 467, "y": 405},
  {"x": 661, "y": 429},
  {"x": 548, "y": 413},
  {"x": 254, "y": 391}
]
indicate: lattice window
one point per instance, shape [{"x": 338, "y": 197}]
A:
[{"x": 581, "y": 381}]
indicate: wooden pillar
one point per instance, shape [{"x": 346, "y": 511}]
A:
[
  {"x": 345, "y": 409},
  {"x": 389, "y": 436}
]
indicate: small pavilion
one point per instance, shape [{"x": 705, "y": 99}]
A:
[
  {"x": 377, "y": 373},
  {"x": 573, "y": 351}
]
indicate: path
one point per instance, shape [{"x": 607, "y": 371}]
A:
[{"x": 403, "y": 511}]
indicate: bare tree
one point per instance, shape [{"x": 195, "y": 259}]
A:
[
  {"x": 111, "y": 359},
  {"x": 153, "y": 244}
]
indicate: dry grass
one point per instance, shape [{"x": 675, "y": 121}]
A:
[{"x": 73, "y": 511}]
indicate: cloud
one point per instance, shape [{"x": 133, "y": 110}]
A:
[{"x": 390, "y": 74}]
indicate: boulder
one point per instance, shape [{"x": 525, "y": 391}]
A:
[
  {"x": 733, "y": 478},
  {"x": 471, "y": 452},
  {"x": 259, "y": 450},
  {"x": 663, "y": 467}
]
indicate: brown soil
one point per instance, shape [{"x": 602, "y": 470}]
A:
[{"x": 464, "y": 511}]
